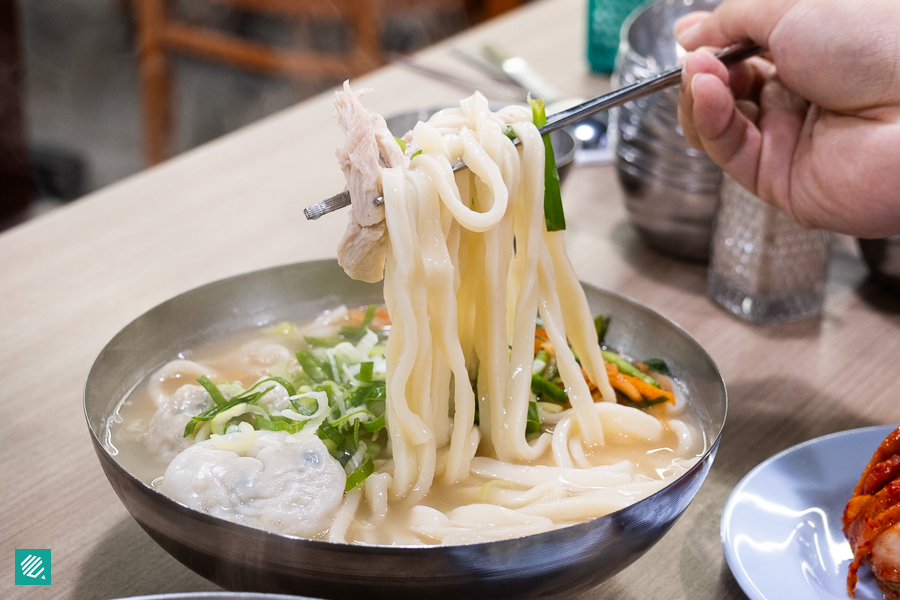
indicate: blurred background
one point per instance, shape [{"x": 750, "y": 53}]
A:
[{"x": 92, "y": 91}]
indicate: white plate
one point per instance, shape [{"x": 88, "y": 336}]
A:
[{"x": 781, "y": 526}]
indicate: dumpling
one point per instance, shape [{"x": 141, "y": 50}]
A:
[
  {"x": 281, "y": 482},
  {"x": 165, "y": 433}
]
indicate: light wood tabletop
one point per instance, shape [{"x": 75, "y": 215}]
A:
[{"x": 70, "y": 280}]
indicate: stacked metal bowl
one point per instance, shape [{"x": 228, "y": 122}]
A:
[{"x": 671, "y": 189}]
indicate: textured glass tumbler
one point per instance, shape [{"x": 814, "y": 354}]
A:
[
  {"x": 604, "y": 22},
  {"x": 764, "y": 268}
]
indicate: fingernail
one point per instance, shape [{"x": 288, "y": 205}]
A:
[
  {"x": 694, "y": 80},
  {"x": 684, "y": 82},
  {"x": 696, "y": 77},
  {"x": 684, "y": 36}
]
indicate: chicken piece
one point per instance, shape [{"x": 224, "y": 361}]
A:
[
  {"x": 872, "y": 519},
  {"x": 886, "y": 561},
  {"x": 368, "y": 148}
]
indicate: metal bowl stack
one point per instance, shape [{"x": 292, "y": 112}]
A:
[{"x": 671, "y": 189}]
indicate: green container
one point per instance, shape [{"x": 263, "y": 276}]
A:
[{"x": 604, "y": 21}]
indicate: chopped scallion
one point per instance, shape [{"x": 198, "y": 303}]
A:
[
  {"x": 545, "y": 389},
  {"x": 553, "y": 208},
  {"x": 360, "y": 474},
  {"x": 658, "y": 365},
  {"x": 533, "y": 424},
  {"x": 601, "y": 324},
  {"x": 366, "y": 370},
  {"x": 212, "y": 389}
]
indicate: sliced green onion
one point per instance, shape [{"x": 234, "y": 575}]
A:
[
  {"x": 279, "y": 423},
  {"x": 627, "y": 368},
  {"x": 547, "y": 390},
  {"x": 533, "y": 423},
  {"x": 212, "y": 389},
  {"x": 360, "y": 474},
  {"x": 365, "y": 394},
  {"x": 366, "y": 369},
  {"x": 356, "y": 432},
  {"x": 338, "y": 424},
  {"x": 601, "y": 325},
  {"x": 287, "y": 385},
  {"x": 658, "y": 365},
  {"x": 553, "y": 208},
  {"x": 302, "y": 407},
  {"x": 327, "y": 432},
  {"x": 320, "y": 342},
  {"x": 356, "y": 333},
  {"x": 647, "y": 402},
  {"x": 376, "y": 425},
  {"x": 316, "y": 369},
  {"x": 246, "y": 397},
  {"x": 402, "y": 143}
]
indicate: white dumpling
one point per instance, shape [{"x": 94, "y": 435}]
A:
[
  {"x": 165, "y": 433},
  {"x": 261, "y": 355},
  {"x": 276, "y": 399},
  {"x": 280, "y": 483},
  {"x": 172, "y": 375}
]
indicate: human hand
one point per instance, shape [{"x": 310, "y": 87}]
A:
[{"x": 814, "y": 129}]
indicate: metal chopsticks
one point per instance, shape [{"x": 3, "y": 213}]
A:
[{"x": 731, "y": 55}]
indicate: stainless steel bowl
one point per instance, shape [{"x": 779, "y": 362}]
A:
[
  {"x": 678, "y": 229},
  {"x": 565, "y": 144},
  {"x": 236, "y": 557},
  {"x": 648, "y": 37},
  {"x": 671, "y": 189}
]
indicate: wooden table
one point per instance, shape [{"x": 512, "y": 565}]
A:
[{"x": 72, "y": 279}]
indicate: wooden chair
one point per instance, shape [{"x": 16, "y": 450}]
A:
[
  {"x": 15, "y": 169},
  {"x": 160, "y": 33}
]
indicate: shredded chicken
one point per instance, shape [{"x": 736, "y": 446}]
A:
[{"x": 368, "y": 148}]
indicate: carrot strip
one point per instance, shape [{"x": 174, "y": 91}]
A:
[
  {"x": 648, "y": 391},
  {"x": 620, "y": 382}
]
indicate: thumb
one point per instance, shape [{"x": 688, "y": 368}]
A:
[{"x": 724, "y": 133}]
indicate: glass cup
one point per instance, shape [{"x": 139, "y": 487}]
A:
[{"x": 764, "y": 268}]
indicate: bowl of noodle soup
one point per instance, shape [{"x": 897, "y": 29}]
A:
[{"x": 563, "y": 560}]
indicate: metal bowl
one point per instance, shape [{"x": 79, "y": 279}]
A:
[
  {"x": 562, "y": 561},
  {"x": 647, "y": 35},
  {"x": 674, "y": 221},
  {"x": 670, "y": 189},
  {"x": 565, "y": 144}
]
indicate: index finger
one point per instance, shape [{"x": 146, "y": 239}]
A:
[{"x": 731, "y": 22}]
